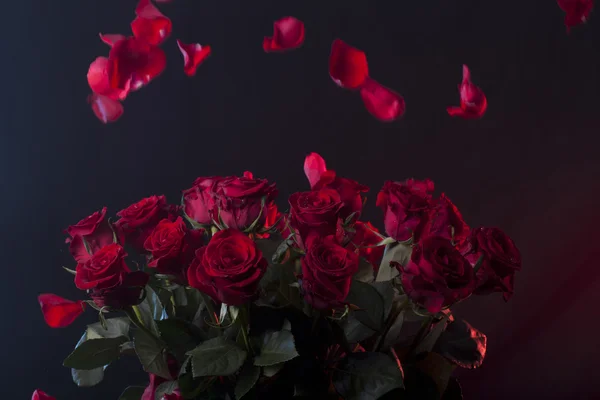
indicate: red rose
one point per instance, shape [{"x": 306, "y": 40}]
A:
[
  {"x": 198, "y": 201},
  {"x": 109, "y": 280},
  {"x": 240, "y": 201},
  {"x": 139, "y": 219},
  {"x": 229, "y": 268},
  {"x": 447, "y": 222},
  {"x": 501, "y": 260},
  {"x": 96, "y": 231},
  {"x": 367, "y": 235},
  {"x": 315, "y": 212},
  {"x": 172, "y": 246},
  {"x": 350, "y": 191},
  {"x": 327, "y": 270},
  {"x": 437, "y": 275},
  {"x": 406, "y": 207}
]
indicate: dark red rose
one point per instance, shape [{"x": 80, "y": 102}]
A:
[
  {"x": 96, "y": 231},
  {"x": 229, "y": 268},
  {"x": 406, "y": 207},
  {"x": 437, "y": 275},
  {"x": 501, "y": 260},
  {"x": 446, "y": 221},
  {"x": 367, "y": 235},
  {"x": 109, "y": 281},
  {"x": 198, "y": 201},
  {"x": 240, "y": 201},
  {"x": 139, "y": 219},
  {"x": 350, "y": 191},
  {"x": 327, "y": 270},
  {"x": 172, "y": 246},
  {"x": 315, "y": 213}
]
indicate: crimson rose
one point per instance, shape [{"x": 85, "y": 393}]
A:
[
  {"x": 95, "y": 230},
  {"x": 139, "y": 219},
  {"x": 367, "y": 235},
  {"x": 501, "y": 260},
  {"x": 108, "y": 279},
  {"x": 446, "y": 221},
  {"x": 437, "y": 275},
  {"x": 172, "y": 246},
  {"x": 406, "y": 206},
  {"x": 315, "y": 212},
  {"x": 327, "y": 271},
  {"x": 229, "y": 268},
  {"x": 198, "y": 201},
  {"x": 240, "y": 201}
]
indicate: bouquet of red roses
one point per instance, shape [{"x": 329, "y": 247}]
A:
[{"x": 225, "y": 297}]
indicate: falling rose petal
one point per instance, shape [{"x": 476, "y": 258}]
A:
[
  {"x": 347, "y": 65},
  {"x": 193, "y": 55},
  {"x": 314, "y": 167},
  {"x": 288, "y": 34},
  {"x": 382, "y": 102},
  {"x": 473, "y": 102},
  {"x": 59, "y": 312},
  {"x": 135, "y": 61},
  {"x": 98, "y": 77},
  {"x": 40, "y": 395},
  {"x": 106, "y": 109},
  {"x": 111, "y": 38},
  {"x": 576, "y": 11},
  {"x": 150, "y": 24}
]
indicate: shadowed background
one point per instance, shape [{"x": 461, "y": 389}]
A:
[{"x": 530, "y": 166}]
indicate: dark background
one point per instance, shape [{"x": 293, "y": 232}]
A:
[{"x": 530, "y": 166}]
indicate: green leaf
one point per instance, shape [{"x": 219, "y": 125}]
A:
[
  {"x": 453, "y": 390},
  {"x": 386, "y": 290},
  {"x": 370, "y": 303},
  {"x": 217, "y": 357},
  {"x": 462, "y": 344},
  {"x": 277, "y": 347},
  {"x": 115, "y": 327},
  {"x": 151, "y": 354},
  {"x": 426, "y": 345},
  {"x": 246, "y": 380},
  {"x": 178, "y": 335},
  {"x": 355, "y": 331},
  {"x": 367, "y": 376},
  {"x": 132, "y": 393},
  {"x": 89, "y": 378},
  {"x": 399, "y": 252},
  {"x": 365, "y": 271},
  {"x": 393, "y": 334},
  {"x": 165, "y": 388},
  {"x": 271, "y": 370},
  {"x": 95, "y": 353},
  {"x": 191, "y": 387}
]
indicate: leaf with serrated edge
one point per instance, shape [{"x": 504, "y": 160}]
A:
[
  {"x": 216, "y": 357},
  {"x": 277, "y": 347},
  {"x": 246, "y": 380},
  {"x": 165, "y": 388},
  {"x": 462, "y": 344},
  {"x": 89, "y": 378},
  {"x": 115, "y": 327},
  {"x": 432, "y": 337},
  {"x": 151, "y": 354},
  {"x": 95, "y": 353}
]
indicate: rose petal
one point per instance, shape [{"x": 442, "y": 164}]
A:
[
  {"x": 40, "y": 395},
  {"x": 347, "y": 65},
  {"x": 98, "y": 77},
  {"x": 576, "y": 11},
  {"x": 193, "y": 55},
  {"x": 382, "y": 102},
  {"x": 473, "y": 102},
  {"x": 314, "y": 167},
  {"x": 288, "y": 33},
  {"x": 106, "y": 109},
  {"x": 150, "y": 24},
  {"x": 59, "y": 312},
  {"x": 136, "y": 63},
  {"x": 111, "y": 38}
]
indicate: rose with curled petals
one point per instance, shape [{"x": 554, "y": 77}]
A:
[
  {"x": 576, "y": 11},
  {"x": 315, "y": 213},
  {"x": 347, "y": 65},
  {"x": 150, "y": 24},
  {"x": 59, "y": 312},
  {"x": 288, "y": 34},
  {"x": 446, "y": 221},
  {"x": 106, "y": 109},
  {"x": 382, "y": 102},
  {"x": 40, "y": 395},
  {"x": 198, "y": 201},
  {"x": 193, "y": 55},
  {"x": 473, "y": 102},
  {"x": 229, "y": 268},
  {"x": 95, "y": 230}
]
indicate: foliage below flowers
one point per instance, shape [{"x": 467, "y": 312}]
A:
[{"x": 227, "y": 297}]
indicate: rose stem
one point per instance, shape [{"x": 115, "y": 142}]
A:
[
  {"x": 392, "y": 318},
  {"x": 211, "y": 310},
  {"x": 244, "y": 322}
]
